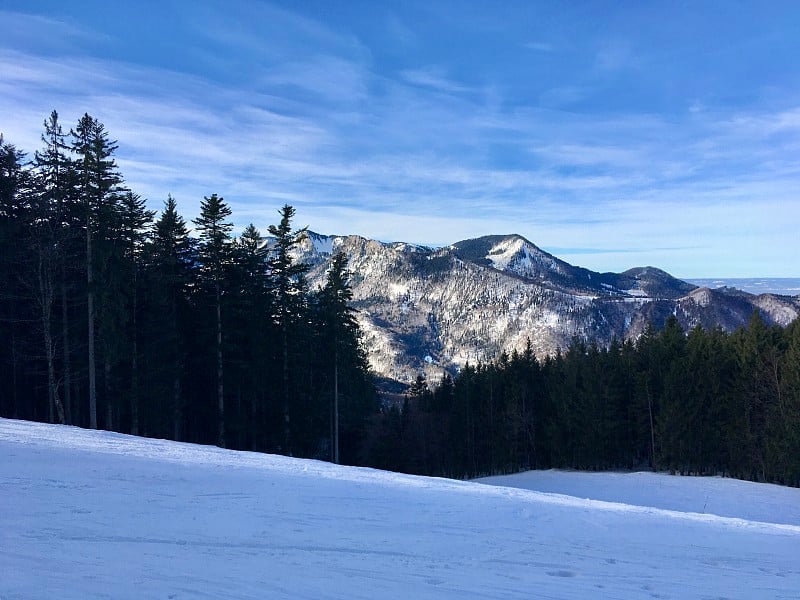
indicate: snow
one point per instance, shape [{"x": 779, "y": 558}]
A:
[
  {"x": 502, "y": 254},
  {"x": 636, "y": 292},
  {"x": 550, "y": 318},
  {"x": 516, "y": 256},
  {"x": 709, "y": 495},
  {"x": 397, "y": 290},
  {"x": 86, "y": 514}
]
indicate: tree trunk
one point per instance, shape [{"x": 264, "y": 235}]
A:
[
  {"x": 336, "y": 407},
  {"x": 107, "y": 390},
  {"x": 134, "y": 367},
  {"x": 220, "y": 389},
  {"x": 254, "y": 421},
  {"x": 46, "y": 298},
  {"x": 652, "y": 428},
  {"x": 177, "y": 415},
  {"x": 52, "y": 385},
  {"x": 286, "y": 425},
  {"x": 14, "y": 398},
  {"x": 65, "y": 348},
  {"x": 177, "y": 404},
  {"x": 90, "y": 316},
  {"x": 134, "y": 388}
]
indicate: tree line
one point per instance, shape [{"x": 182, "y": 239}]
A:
[
  {"x": 702, "y": 402},
  {"x": 115, "y": 317}
]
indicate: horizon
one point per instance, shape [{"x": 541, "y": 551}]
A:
[{"x": 612, "y": 135}]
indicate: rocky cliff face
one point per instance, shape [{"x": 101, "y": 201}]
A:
[{"x": 433, "y": 310}]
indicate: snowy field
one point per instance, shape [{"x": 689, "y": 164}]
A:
[{"x": 87, "y": 514}]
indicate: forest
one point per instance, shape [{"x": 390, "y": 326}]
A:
[
  {"x": 702, "y": 403},
  {"x": 113, "y": 316}
]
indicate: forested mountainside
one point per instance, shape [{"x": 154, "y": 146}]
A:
[{"x": 433, "y": 310}]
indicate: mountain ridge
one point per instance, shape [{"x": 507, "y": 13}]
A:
[{"x": 432, "y": 310}]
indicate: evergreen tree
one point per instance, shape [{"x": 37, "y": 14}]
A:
[
  {"x": 758, "y": 356},
  {"x": 215, "y": 251},
  {"x": 251, "y": 336},
  {"x": 98, "y": 183},
  {"x": 288, "y": 289},
  {"x": 340, "y": 343},
  {"x": 784, "y": 440},
  {"x": 43, "y": 248},
  {"x": 168, "y": 273},
  {"x": 13, "y": 313},
  {"x": 135, "y": 220},
  {"x": 55, "y": 182}
]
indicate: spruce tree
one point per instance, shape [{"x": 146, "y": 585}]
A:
[
  {"x": 12, "y": 303},
  {"x": 55, "y": 178},
  {"x": 42, "y": 237},
  {"x": 135, "y": 220},
  {"x": 168, "y": 273},
  {"x": 251, "y": 334},
  {"x": 215, "y": 240},
  {"x": 339, "y": 336},
  {"x": 288, "y": 289},
  {"x": 98, "y": 183}
]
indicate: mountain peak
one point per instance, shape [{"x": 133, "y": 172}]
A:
[
  {"x": 432, "y": 310},
  {"x": 511, "y": 253}
]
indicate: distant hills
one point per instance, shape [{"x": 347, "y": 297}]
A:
[
  {"x": 433, "y": 310},
  {"x": 784, "y": 286}
]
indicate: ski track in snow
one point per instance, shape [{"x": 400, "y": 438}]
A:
[{"x": 86, "y": 514}]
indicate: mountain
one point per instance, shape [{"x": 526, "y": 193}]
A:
[{"x": 433, "y": 310}]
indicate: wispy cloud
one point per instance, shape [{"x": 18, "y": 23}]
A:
[
  {"x": 433, "y": 78},
  {"x": 415, "y": 153}
]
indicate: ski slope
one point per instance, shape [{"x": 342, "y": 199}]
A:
[
  {"x": 707, "y": 495},
  {"x": 87, "y": 514}
]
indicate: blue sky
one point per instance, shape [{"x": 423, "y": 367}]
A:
[{"x": 613, "y": 134}]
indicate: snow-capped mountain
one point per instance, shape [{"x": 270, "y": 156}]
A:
[{"x": 434, "y": 309}]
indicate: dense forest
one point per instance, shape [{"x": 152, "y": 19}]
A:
[
  {"x": 706, "y": 402},
  {"x": 113, "y": 316}
]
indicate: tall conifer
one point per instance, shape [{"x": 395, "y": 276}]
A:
[{"x": 215, "y": 240}]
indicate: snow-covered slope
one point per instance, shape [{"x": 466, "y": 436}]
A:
[
  {"x": 430, "y": 310},
  {"x": 706, "y": 495},
  {"x": 87, "y": 514}
]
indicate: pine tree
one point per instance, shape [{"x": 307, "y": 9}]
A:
[
  {"x": 785, "y": 438},
  {"x": 98, "y": 183},
  {"x": 12, "y": 304},
  {"x": 169, "y": 259},
  {"x": 42, "y": 242},
  {"x": 340, "y": 336},
  {"x": 250, "y": 336},
  {"x": 215, "y": 241},
  {"x": 135, "y": 220},
  {"x": 55, "y": 184},
  {"x": 288, "y": 289}
]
